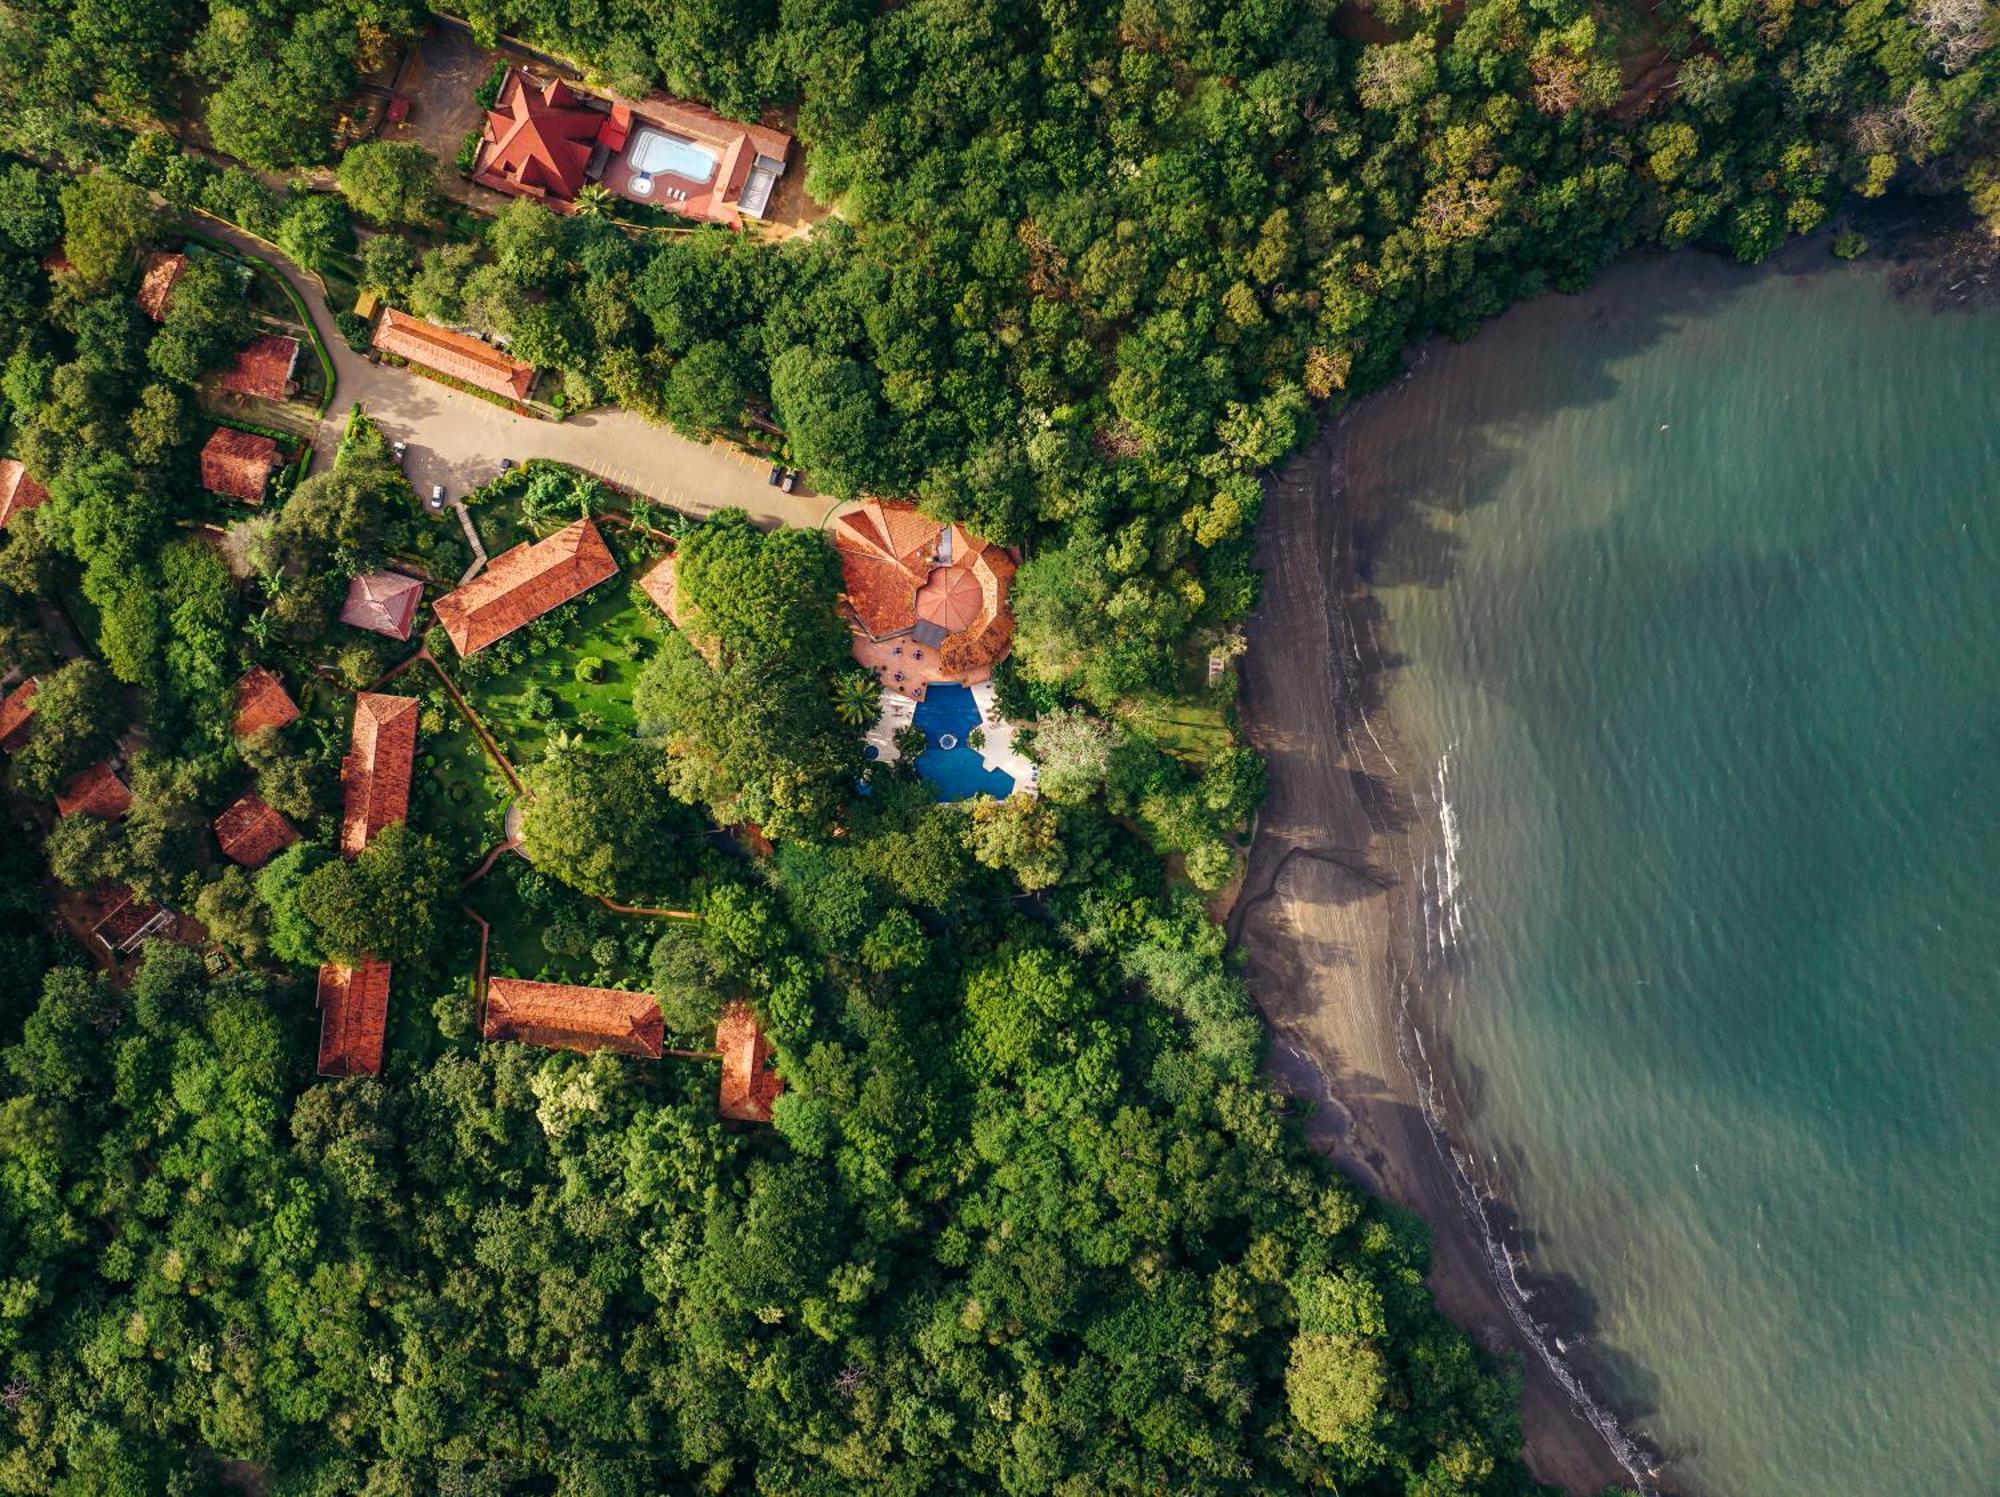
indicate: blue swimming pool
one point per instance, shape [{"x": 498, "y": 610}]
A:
[
  {"x": 652, "y": 153},
  {"x": 948, "y": 711}
]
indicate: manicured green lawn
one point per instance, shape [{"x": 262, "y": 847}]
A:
[
  {"x": 525, "y": 908},
  {"x": 460, "y": 794},
  {"x": 605, "y": 624}
]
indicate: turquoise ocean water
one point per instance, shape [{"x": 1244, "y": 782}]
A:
[{"x": 1693, "y": 585}]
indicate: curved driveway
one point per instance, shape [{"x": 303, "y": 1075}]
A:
[{"x": 458, "y": 440}]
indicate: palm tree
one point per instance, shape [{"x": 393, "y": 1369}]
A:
[
  {"x": 258, "y": 628},
  {"x": 857, "y": 699},
  {"x": 593, "y": 200}
]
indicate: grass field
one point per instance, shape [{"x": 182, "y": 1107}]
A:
[{"x": 614, "y": 624}]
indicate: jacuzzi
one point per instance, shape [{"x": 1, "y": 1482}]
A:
[{"x": 653, "y": 153}]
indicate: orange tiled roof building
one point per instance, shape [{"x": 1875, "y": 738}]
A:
[
  {"x": 662, "y": 584},
  {"x": 353, "y": 1017},
  {"x": 156, "y": 285},
  {"x": 97, "y": 790},
  {"x": 905, "y": 574},
  {"x": 238, "y": 463},
  {"x": 262, "y": 702},
  {"x": 561, "y": 1017},
  {"x": 17, "y": 715},
  {"x": 18, "y": 492},
  {"x": 251, "y": 832},
  {"x": 521, "y": 585},
  {"x": 375, "y": 774},
  {"x": 263, "y": 368},
  {"x": 459, "y": 355},
  {"x": 383, "y": 602},
  {"x": 539, "y": 140},
  {"x": 749, "y": 1085}
]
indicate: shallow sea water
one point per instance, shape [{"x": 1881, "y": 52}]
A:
[{"x": 1694, "y": 587}]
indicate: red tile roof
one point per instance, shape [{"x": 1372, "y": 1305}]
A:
[
  {"x": 662, "y": 584},
  {"x": 97, "y": 790},
  {"x": 728, "y": 191},
  {"x": 521, "y": 585},
  {"x": 156, "y": 286},
  {"x": 459, "y": 355},
  {"x": 538, "y": 142},
  {"x": 353, "y": 1014},
  {"x": 251, "y": 833},
  {"x": 385, "y": 602},
  {"x": 749, "y": 1086},
  {"x": 17, "y": 716},
  {"x": 263, "y": 368},
  {"x": 562, "y": 1017},
  {"x": 129, "y": 921},
  {"x": 18, "y": 492},
  {"x": 375, "y": 773},
  {"x": 238, "y": 463},
  {"x": 262, "y": 702},
  {"x": 899, "y": 569}
]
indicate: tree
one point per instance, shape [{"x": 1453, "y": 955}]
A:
[
  {"x": 314, "y": 230},
  {"x": 389, "y": 182},
  {"x": 292, "y": 936},
  {"x": 1024, "y": 1005},
  {"x": 78, "y": 713},
  {"x": 598, "y": 821},
  {"x": 706, "y": 389},
  {"x": 206, "y": 320},
  {"x": 1019, "y": 835},
  {"x": 389, "y": 264},
  {"x": 1334, "y": 1386},
  {"x": 384, "y": 902},
  {"x": 831, "y": 410},
  {"x": 229, "y": 908},
  {"x": 857, "y": 699},
  {"x": 1074, "y": 751},
  {"x": 105, "y": 219}
]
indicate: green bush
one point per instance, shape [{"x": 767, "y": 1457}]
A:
[
  {"x": 354, "y": 329},
  {"x": 590, "y": 668},
  {"x": 468, "y": 152},
  {"x": 488, "y": 93}
]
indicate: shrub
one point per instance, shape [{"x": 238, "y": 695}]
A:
[
  {"x": 468, "y": 151},
  {"x": 354, "y": 329},
  {"x": 590, "y": 668},
  {"x": 488, "y": 93}
]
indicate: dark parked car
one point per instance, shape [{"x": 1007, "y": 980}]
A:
[
  {"x": 506, "y": 465},
  {"x": 777, "y": 477}
]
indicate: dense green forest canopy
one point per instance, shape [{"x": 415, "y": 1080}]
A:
[{"x": 1027, "y": 1219}]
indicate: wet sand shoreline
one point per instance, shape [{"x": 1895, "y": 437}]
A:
[{"x": 1329, "y": 920}]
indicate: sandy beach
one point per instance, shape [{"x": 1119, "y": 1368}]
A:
[{"x": 1327, "y": 918}]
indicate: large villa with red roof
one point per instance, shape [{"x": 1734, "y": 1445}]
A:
[
  {"x": 927, "y": 601},
  {"x": 547, "y": 138},
  {"x": 562, "y": 1017},
  {"x": 459, "y": 356}
]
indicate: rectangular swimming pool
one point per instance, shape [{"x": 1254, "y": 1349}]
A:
[{"x": 653, "y": 153}]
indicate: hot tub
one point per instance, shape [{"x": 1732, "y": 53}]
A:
[{"x": 653, "y": 153}]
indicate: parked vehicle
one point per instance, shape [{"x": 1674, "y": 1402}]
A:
[
  {"x": 437, "y": 493},
  {"x": 401, "y": 449},
  {"x": 791, "y": 478},
  {"x": 777, "y": 476},
  {"x": 507, "y": 465}
]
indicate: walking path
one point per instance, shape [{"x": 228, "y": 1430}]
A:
[
  {"x": 458, "y": 440},
  {"x": 471, "y": 539}
]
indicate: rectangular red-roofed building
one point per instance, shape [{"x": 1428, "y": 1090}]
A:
[
  {"x": 749, "y": 1085},
  {"x": 353, "y": 1016},
  {"x": 561, "y": 1017},
  {"x": 238, "y": 463},
  {"x": 263, "y": 368},
  {"x": 17, "y": 716},
  {"x": 521, "y": 585},
  {"x": 459, "y": 355},
  {"x": 262, "y": 702},
  {"x": 375, "y": 774},
  {"x": 18, "y": 492},
  {"x": 251, "y": 832},
  {"x": 96, "y": 790}
]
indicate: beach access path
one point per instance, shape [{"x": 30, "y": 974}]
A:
[
  {"x": 458, "y": 440},
  {"x": 1323, "y": 919}
]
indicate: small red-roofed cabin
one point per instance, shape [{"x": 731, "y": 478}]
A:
[
  {"x": 18, "y": 492},
  {"x": 661, "y": 583},
  {"x": 238, "y": 463},
  {"x": 383, "y": 603},
  {"x": 520, "y": 585},
  {"x": 156, "y": 285},
  {"x": 97, "y": 791},
  {"x": 250, "y": 832},
  {"x": 749, "y": 1085},
  {"x": 375, "y": 774},
  {"x": 558, "y": 1016},
  {"x": 263, "y": 368},
  {"x": 17, "y": 715},
  {"x": 353, "y": 1016},
  {"x": 262, "y": 702},
  {"x": 129, "y": 922}
]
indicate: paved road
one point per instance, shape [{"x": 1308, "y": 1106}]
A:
[{"x": 458, "y": 439}]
